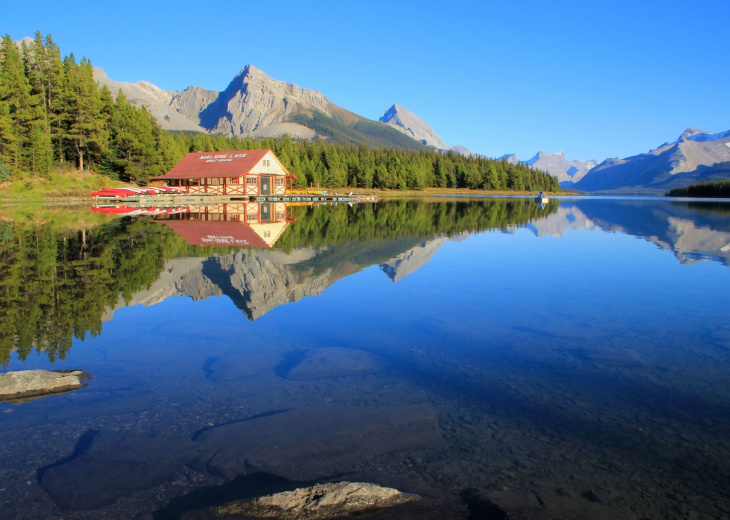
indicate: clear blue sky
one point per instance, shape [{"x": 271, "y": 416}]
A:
[{"x": 592, "y": 78}]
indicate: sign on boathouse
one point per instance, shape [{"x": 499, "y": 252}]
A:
[{"x": 234, "y": 172}]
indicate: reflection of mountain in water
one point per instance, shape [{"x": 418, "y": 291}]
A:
[
  {"x": 692, "y": 233},
  {"x": 258, "y": 281},
  {"x": 60, "y": 279},
  {"x": 413, "y": 259}
]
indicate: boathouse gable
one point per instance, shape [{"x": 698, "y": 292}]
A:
[{"x": 234, "y": 172}]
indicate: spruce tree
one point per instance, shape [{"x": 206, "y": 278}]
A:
[
  {"x": 84, "y": 128},
  {"x": 15, "y": 92}
]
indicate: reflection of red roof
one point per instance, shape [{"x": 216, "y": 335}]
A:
[
  {"x": 231, "y": 163},
  {"x": 205, "y": 233}
]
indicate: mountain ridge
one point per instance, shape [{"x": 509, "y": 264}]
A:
[
  {"x": 689, "y": 159},
  {"x": 255, "y": 104}
]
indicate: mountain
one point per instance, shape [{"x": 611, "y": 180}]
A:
[
  {"x": 157, "y": 101},
  {"x": 511, "y": 158},
  {"x": 258, "y": 281},
  {"x": 412, "y": 126},
  {"x": 694, "y": 156},
  {"x": 463, "y": 150},
  {"x": 256, "y": 104},
  {"x": 567, "y": 172},
  {"x": 556, "y": 164}
]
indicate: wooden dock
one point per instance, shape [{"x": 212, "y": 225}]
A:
[{"x": 184, "y": 199}]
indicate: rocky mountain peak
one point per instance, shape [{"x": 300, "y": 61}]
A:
[
  {"x": 391, "y": 113},
  {"x": 511, "y": 158},
  {"x": 689, "y": 133},
  {"x": 413, "y": 126},
  {"x": 556, "y": 164}
]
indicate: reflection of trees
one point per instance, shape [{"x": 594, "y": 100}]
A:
[
  {"x": 406, "y": 218},
  {"x": 56, "y": 284}
]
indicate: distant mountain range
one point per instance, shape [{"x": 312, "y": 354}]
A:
[
  {"x": 694, "y": 156},
  {"x": 257, "y": 105},
  {"x": 567, "y": 172}
]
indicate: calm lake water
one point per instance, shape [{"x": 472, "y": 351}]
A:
[{"x": 489, "y": 355}]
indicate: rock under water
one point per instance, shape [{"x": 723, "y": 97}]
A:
[{"x": 319, "y": 502}]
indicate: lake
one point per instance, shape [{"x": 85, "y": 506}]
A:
[{"x": 495, "y": 357}]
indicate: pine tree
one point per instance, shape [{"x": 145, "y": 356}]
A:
[
  {"x": 84, "y": 128},
  {"x": 15, "y": 92},
  {"x": 8, "y": 137}
]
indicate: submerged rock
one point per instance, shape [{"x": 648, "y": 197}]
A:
[
  {"x": 106, "y": 466},
  {"x": 319, "y": 502},
  {"x": 25, "y": 385},
  {"x": 328, "y": 440}
]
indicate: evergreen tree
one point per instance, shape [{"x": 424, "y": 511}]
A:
[
  {"x": 15, "y": 93},
  {"x": 84, "y": 128}
]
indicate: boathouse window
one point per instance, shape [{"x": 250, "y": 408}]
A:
[
  {"x": 251, "y": 181},
  {"x": 233, "y": 180},
  {"x": 213, "y": 182},
  {"x": 266, "y": 162},
  {"x": 252, "y": 216},
  {"x": 279, "y": 181}
]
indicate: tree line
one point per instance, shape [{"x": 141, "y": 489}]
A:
[
  {"x": 713, "y": 189},
  {"x": 53, "y": 115}
]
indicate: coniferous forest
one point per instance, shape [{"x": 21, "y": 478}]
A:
[
  {"x": 710, "y": 190},
  {"x": 55, "y": 117}
]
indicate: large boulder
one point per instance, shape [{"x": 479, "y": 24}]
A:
[
  {"x": 25, "y": 385},
  {"x": 319, "y": 502}
]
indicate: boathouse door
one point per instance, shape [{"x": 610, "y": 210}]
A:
[{"x": 265, "y": 185}]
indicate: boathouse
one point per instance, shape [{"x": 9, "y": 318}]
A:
[{"x": 237, "y": 172}]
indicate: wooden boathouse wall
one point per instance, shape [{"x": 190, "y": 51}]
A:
[{"x": 248, "y": 173}]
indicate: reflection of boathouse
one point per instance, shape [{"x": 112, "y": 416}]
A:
[
  {"x": 236, "y": 172},
  {"x": 249, "y": 224}
]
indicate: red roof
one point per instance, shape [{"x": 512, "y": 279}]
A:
[
  {"x": 230, "y": 163},
  {"x": 206, "y": 233}
]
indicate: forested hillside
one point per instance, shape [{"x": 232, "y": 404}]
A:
[
  {"x": 53, "y": 116},
  {"x": 710, "y": 190}
]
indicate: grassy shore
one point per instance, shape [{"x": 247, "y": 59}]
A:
[
  {"x": 58, "y": 186},
  {"x": 76, "y": 186}
]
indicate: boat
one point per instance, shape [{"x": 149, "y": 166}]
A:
[
  {"x": 120, "y": 193},
  {"x": 542, "y": 198}
]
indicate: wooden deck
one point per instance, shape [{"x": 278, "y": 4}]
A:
[{"x": 183, "y": 199}]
